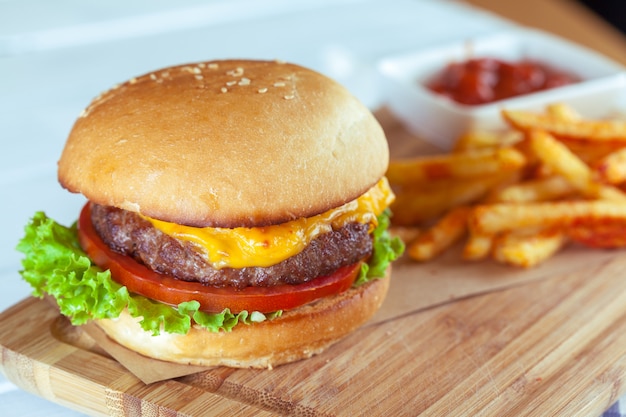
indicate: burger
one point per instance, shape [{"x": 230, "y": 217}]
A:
[{"x": 236, "y": 215}]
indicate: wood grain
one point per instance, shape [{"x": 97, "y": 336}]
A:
[{"x": 553, "y": 347}]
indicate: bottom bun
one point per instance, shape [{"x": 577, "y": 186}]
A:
[{"x": 297, "y": 334}]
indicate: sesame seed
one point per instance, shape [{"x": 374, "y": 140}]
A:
[
  {"x": 201, "y": 65},
  {"x": 83, "y": 113},
  {"x": 198, "y": 77},
  {"x": 237, "y": 72},
  {"x": 224, "y": 89},
  {"x": 231, "y": 83},
  {"x": 280, "y": 61},
  {"x": 262, "y": 90},
  {"x": 213, "y": 65},
  {"x": 153, "y": 76},
  {"x": 165, "y": 74},
  {"x": 279, "y": 84},
  {"x": 289, "y": 97},
  {"x": 244, "y": 81},
  {"x": 196, "y": 70},
  {"x": 132, "y": 80}
]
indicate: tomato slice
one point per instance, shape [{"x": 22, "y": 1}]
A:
[{"x": 164, "y": 288}]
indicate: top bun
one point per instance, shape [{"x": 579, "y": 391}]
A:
[{"x": 225, "y": 144}]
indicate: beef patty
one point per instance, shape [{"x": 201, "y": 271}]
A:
[{"x": 130, "y": 234}]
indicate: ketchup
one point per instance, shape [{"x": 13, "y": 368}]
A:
[{"x": 485, "y": 80}]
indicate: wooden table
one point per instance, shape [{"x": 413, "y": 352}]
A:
[{"x": 565, "y": 18}]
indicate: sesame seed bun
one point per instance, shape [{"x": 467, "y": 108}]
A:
[
  {"x": 224, "y": 144},
  {"x": 297, "y": 334}
]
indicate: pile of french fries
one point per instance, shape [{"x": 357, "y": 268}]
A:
[{"x": 518, "y": 196}]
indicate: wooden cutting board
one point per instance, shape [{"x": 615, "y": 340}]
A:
[{"x": 553, "y": 346}]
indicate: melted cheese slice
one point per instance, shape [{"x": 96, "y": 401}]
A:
[{"x": 265, "y": 246}]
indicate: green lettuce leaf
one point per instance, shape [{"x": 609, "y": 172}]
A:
[
  {"x": 385, "y": 250},
  {"x": 55, "y": 264}
]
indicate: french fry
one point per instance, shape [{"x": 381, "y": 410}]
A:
[
  {"x": 479, "y": 163},
  {"x": 481, "y": 139},
  {"x": 528, "y": 249},
  {"x": 562, "y": 161},
  {"x": 447, "y": 231},
  {"x": 518, "y": 196},
  {"x": 607, "y": 235},
  {"x": 606, "y": 192},
  {"x": 498, "y": 218},
  {"x": 612, "y": 168},
  {"x": 416, "y": 205},
  {"x": 562, "y": 111},
  {"x": 542, "y": 189},
  {"x": 596, "y": 130},
  {"x": 407, "y": 233},
  {"x": 589, "y": 151},
  {"x": 478, "y": 246}
]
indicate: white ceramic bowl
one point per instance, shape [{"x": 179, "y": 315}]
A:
[{"x": 440, "y": 121}]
